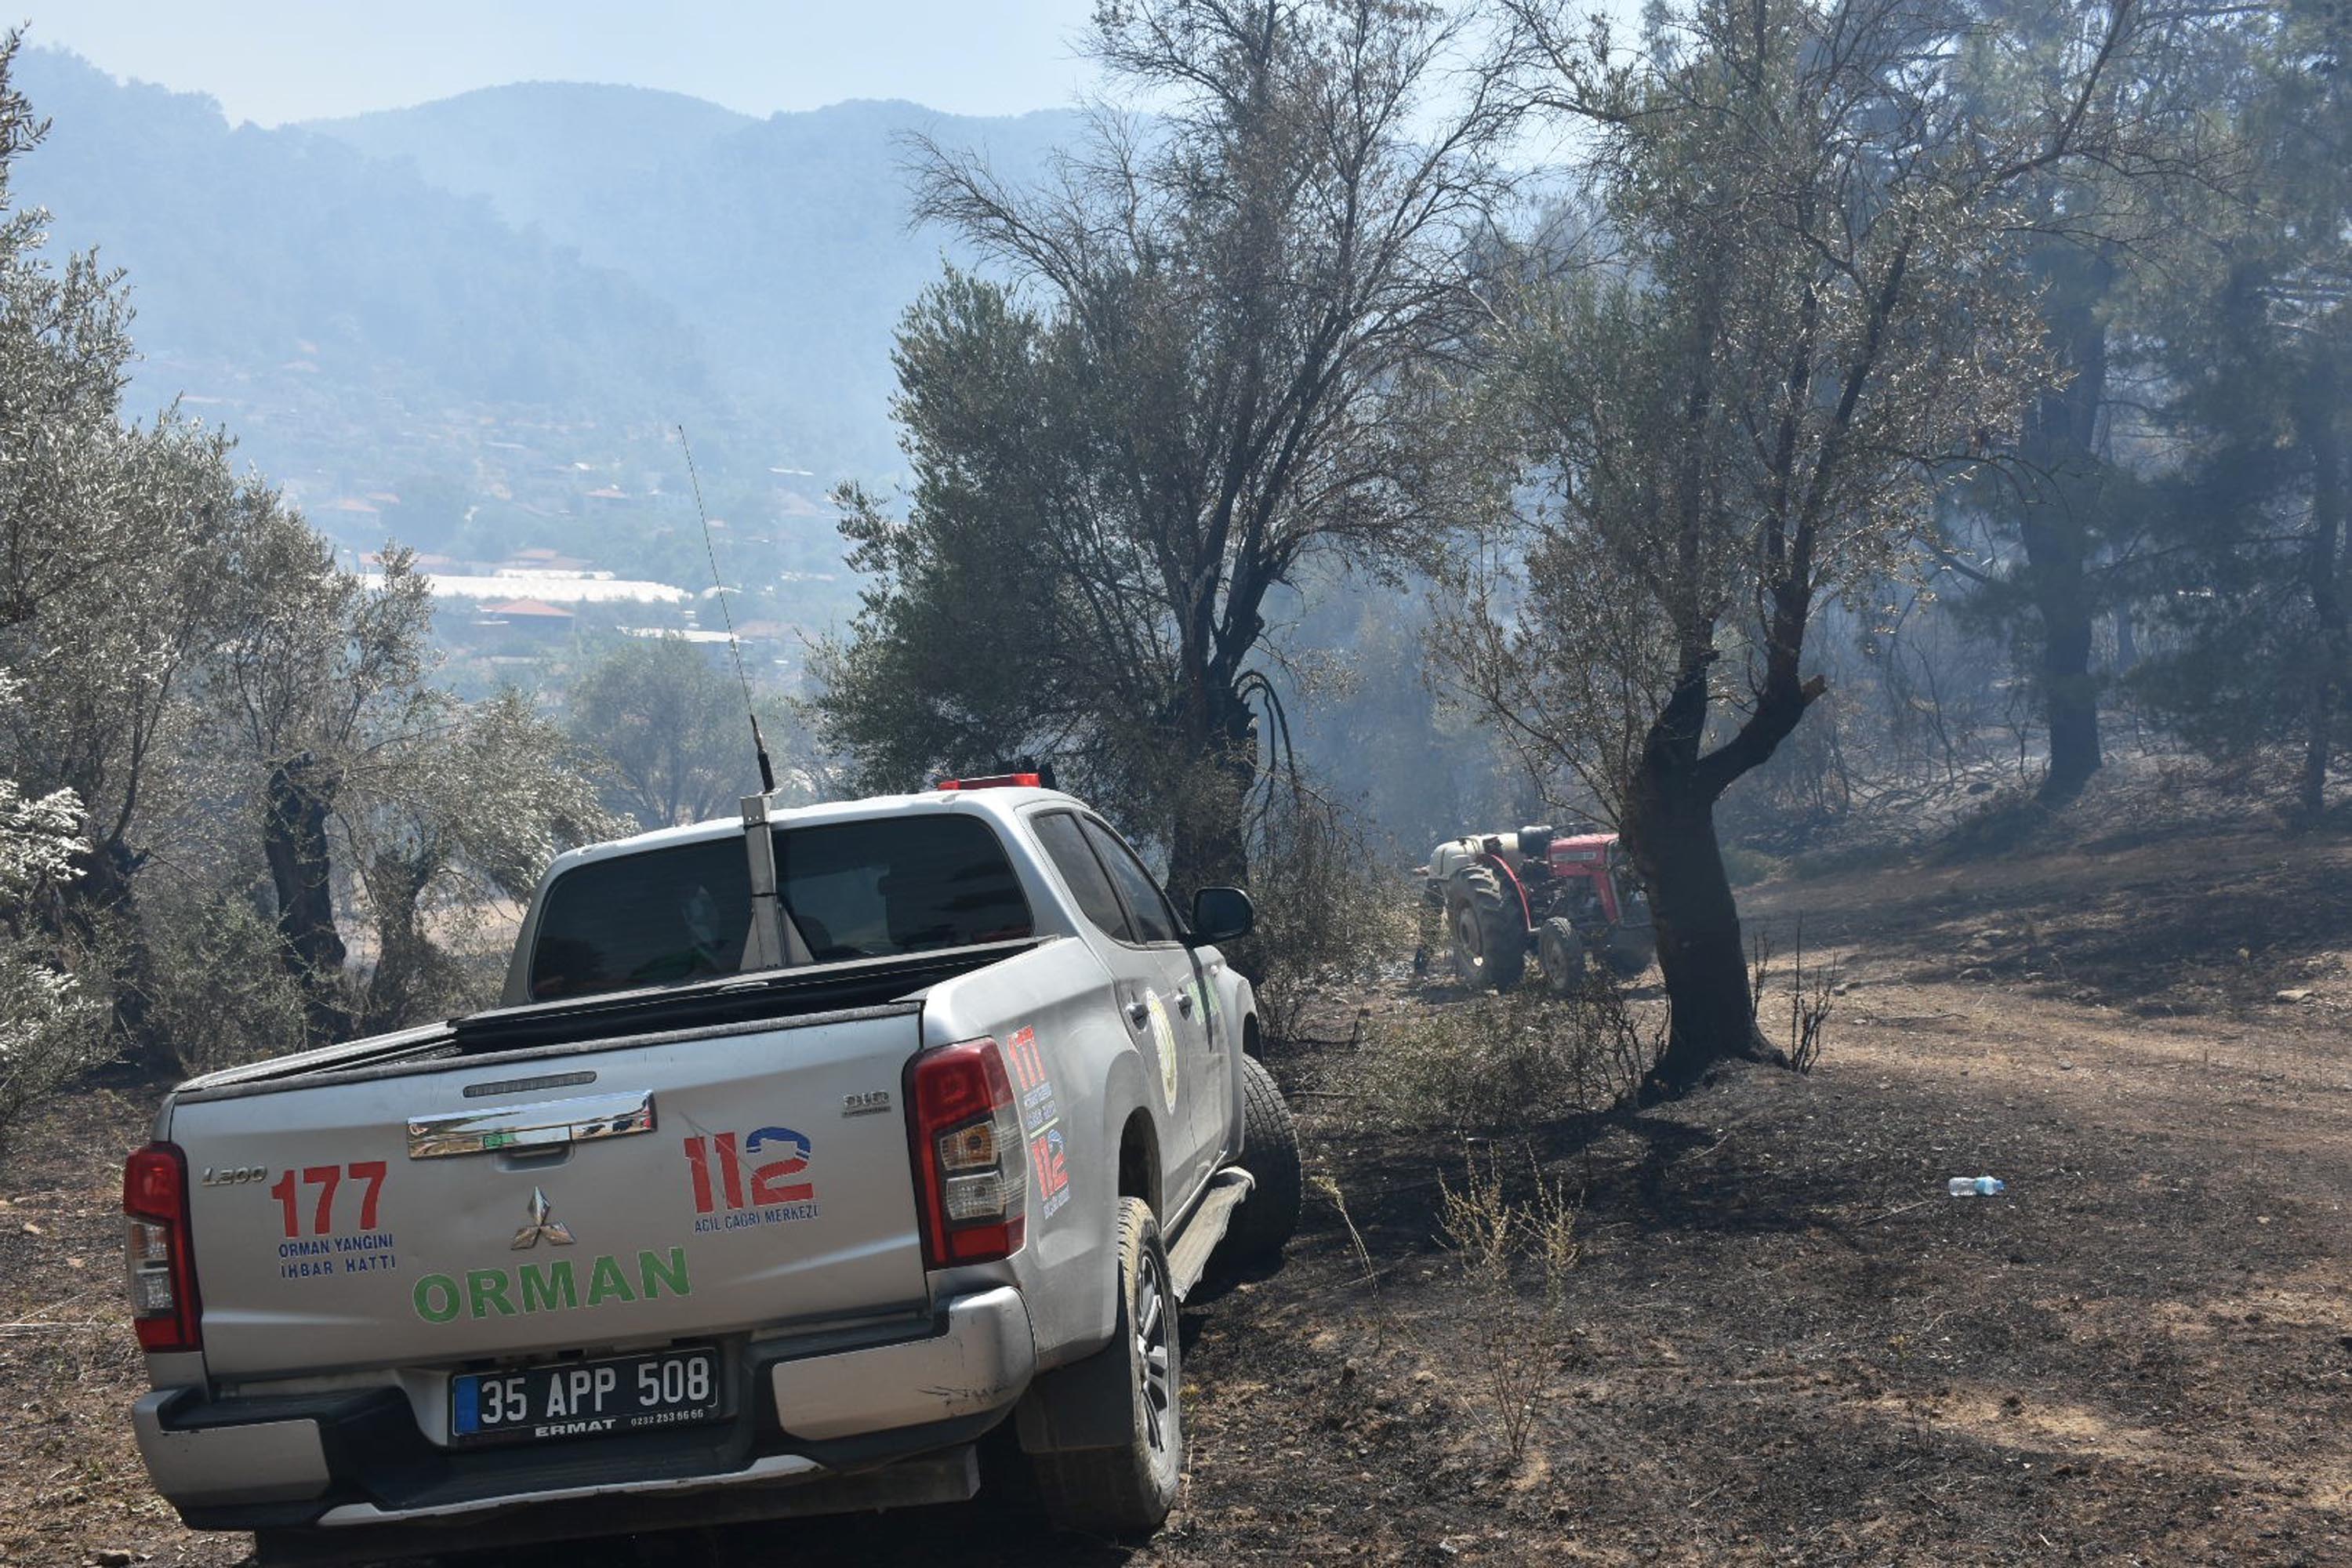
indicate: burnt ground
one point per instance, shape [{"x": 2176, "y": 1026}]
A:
[{"x": 1785, "y": 1345}]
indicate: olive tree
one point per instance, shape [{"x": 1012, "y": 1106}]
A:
[
  {"x": 671, "y": 727},
  {"x": 1201, "y": 358},
  {"x": 1792, "y": 322},
  {"x": 250, "y": 737},
  {"x": 311, "y": 672},
  {"x": 111, "y": 551}
]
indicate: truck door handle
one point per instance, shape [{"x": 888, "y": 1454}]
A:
[
  {"x": 552, "y": 1123},
  {"x": 1138, "y": 1014},
  {"x": 1184, "y": 1002}
]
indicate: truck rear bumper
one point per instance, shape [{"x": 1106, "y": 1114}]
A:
[
  {"x": 938, "y": 1476},
  {"x": 260, "y": 1461},
  {"x": 356, "y": 1459},
  {"x": 982, "y": 1362}
]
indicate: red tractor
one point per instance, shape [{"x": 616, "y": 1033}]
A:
[{"x": 1562, "y": 896}]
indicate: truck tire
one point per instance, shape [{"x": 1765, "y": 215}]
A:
[
  {"x": 1490, "y": 940},
  {"x": 1561, "y": 953},
  {"x": 1125, "y": 1492},
  {"x": 1264, "y": 1224}
]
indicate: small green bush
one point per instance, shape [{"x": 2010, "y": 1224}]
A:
[{"x": 49, "y": 1031}]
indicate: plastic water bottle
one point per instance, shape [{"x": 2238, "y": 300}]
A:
[{"x": 1975, "y": 1186}]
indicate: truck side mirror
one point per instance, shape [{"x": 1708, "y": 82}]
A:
[{"x": 1221, "y": 914}]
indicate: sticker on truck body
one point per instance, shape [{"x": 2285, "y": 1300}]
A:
[
  {"x": 753, "y": 1179},
  {"x": 321, "y": 1258},
  {"x": 1041, "y": 1117},
  {"x": 328, "y": 1220}
]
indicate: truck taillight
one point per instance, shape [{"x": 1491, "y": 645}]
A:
[
  {"x": 163, "y": 1268},
  {"x": 970, "y": 1171}
]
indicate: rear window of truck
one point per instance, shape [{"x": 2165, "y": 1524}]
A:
[{"x": 871, "y": 888}]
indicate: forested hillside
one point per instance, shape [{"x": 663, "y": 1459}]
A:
[
  {"x": 785, "y": 243},
  {"x": 545, "y": 152},
  {"x": 458, "y": 323}
]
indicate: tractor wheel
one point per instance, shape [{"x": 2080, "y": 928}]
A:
[
  {"x": 1629, "y": 949},
  {"x": 1490, "y": 939},
  {"x": 1561, "y": 953}
]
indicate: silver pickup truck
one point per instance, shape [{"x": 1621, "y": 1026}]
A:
[{"x": 806, "y": 1152}]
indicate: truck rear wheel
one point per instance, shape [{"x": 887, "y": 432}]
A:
[
  {"x": 1265, "y": 1222},
  {"x": 1125, "y": 1491},
  {"x": 1490, "y": 940}
]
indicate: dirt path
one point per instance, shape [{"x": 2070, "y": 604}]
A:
[
  {"x": 1788, "y": 1346},
  {"x": 1792, "y": 1347}
]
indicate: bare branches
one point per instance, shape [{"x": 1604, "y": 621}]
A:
[{"x": 1222, "y": 351}]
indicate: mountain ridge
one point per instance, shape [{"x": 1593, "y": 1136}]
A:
[{"x": 497, "y": 308}]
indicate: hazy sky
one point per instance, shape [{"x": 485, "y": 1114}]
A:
[{"x": 274, "y": 60}]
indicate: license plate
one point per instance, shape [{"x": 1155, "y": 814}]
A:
[{"x": 587, "y": 1398}]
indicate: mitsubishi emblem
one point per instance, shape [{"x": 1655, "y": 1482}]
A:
[{"x": 542, "y": 1227}]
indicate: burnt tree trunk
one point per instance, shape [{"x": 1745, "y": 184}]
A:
[
  {"x": 1209, "y": 842},
  {"x": 2322, "y": 569},
  {"x": 2060, "y": 452},
  {"x": 1701, "y": 955},
  {"x": 411, "y": 976},
  {"x": 1669, "y": 827},
  {"x": 1215, "y": 729},
  {"x": 2070, "y": 693},
  {"x": 300, "y": 795}
]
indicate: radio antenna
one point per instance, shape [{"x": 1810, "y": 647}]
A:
[{"x": 759, "y": 743}]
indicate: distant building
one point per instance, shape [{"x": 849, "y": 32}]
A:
[
  {"x": 547, "y": 585},
  {"x": 716, "y": 645},
  {"x": 528, "y": 621}
]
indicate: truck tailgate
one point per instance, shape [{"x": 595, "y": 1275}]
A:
[{"x": 501, "y": 1206}]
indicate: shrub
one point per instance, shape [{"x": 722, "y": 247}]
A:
[
  {"x": 1747, "y": 867},
  {"x": 221, "y": 993},
  {"x": 49, "y": 1030},
  {"x": 1507, "y": 1063},
  {"x": 1328, "y": 914}
]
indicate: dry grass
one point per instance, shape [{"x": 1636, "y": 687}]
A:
[{"x": 1520, "y": 1329}]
